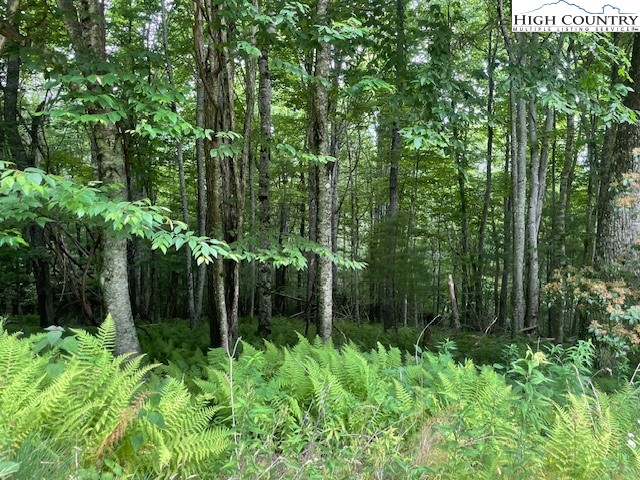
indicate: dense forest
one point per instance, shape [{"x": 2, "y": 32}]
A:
[{"x": 317, "y": 219}]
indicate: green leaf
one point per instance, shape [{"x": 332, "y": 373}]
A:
[
  {"x": 54, "y": 369},
  {"x": 69, "y": 344},
  {"x": 137, "y": 440},
  {"x": 157, "y": 419},
  {"x": 53, "y": 336}
]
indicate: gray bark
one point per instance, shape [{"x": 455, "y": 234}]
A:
[
  {"x": 225, "y": 174},
  {"x": 85, "y": 23},
  {"x": 619, "y": 208},
  {"x": 183, "y": 186},
  {"x": 566, "y": 180},
  {"x": 479, "y": 274},
  {"x": 264, "y": 167},
  {"x": 455, "y": 316},
  {"x": 538, "y": 174},
  {"x": 202, "y": 198},
  {"x": 519, "y": 179},
  {"x": 13, "y": 6},
  {"x": 320, "y": 146}
]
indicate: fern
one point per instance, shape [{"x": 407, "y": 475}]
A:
[
  {"x": 93, "y": 405},
  {"x": 587, "y": 439},
  {"x": 176, "y": 432}
]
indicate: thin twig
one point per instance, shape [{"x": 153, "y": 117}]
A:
[{"x": 417, "y": 344}]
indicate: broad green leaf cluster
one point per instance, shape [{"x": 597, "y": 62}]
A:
[{"x": 35, "y": 196}]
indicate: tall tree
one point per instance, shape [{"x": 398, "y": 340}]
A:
[
  {"x": 193, "y": 319},
  {"x": 85, "y": 23},
  {"x": 538, "y": 180},
  {"x": 225, "y": 192},
  {"x": 264, "y": 168},
  {"x": 319, "y": 146},
  {"x": 619, "y": 208}
]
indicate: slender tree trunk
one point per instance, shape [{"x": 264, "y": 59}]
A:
[
  {"x": 507, "y": 231},
  {"x": 400, "y": 64},
  {"x": 538, "y": 174},
  {"x": 283, "y": 228},
  {"x": 312, "y": 194},
  {"x": 336, "y": 128},
  {"x": 12, "y": 8},
  {"x": 335, "y": 211},
  {"x": 183, "y": 185},
  {"x": 515, "y": 45},
  {"x": 390, "y": 287},
  {"x": 566, "y": 180},
  {"x": 264, "y": 167},
  {"x": 465, "y": 240},
  {"x": 23, "y": 158},
  {"x": 89, "y": 42},
  {"x": 225, "y": 177},
  {"x": 253, "y": 266},
  {"x": 320, "y": 146},
  {"x": 10, "y": 99},
  {"x": 354, "y": 211},
  {"x": 488, "y": 185},
  {"x": 455, "y": 316},
  {"x": 593, "y": 192},
  {"x": 519, "y": 179},
  {"x": 42, "y": 276},
  {"x": 202, "y": 198},
  {"x": 38, "y": 235}
]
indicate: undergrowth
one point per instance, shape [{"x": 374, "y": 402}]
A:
[{"x": 70, "y": 409}]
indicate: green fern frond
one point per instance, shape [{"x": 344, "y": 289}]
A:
[
  {"x": 106, "y": 336},
  {"x": 406, "y": 400}
]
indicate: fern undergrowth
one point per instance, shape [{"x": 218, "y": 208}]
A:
[{"x": 71, "y": 409}]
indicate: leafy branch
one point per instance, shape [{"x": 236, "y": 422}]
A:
[{"x": 35, "y": 196}]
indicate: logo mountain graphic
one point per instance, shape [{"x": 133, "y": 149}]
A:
[{"x": 588, "y": 7}]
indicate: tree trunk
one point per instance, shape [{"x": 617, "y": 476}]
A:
[
  {"x": 619, "y": 208},
  {"x": 479, "y": 274},
  {"x": 390, "y": 289},
  {"x": 519, "y": 179},
  {"x": 593, "y": 192},
  {"x": 538, "y": 173},
  {"x": 566, "y": 179},
  {"x": 89, "y": 42},
  {"x": 320, "y": 147},
  {"x": 399, "y": 63},
  {"x": 225, "y": 174},
  {"x": 23, "y": 158},
  {"x": 507, "y": 230},
  {"x": 264, "y": 212},
  {"x": 202, "y": 198},
  {"x": 455, "y": 316},
  {"x": 283, "y": 228},
  {"x": 183, "y": 186},
  {"x": 10, "y": 99},
  {"x": 465, "y": 239},
  {"x": 12, "y": 8}
]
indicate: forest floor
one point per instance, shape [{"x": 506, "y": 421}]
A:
[
  {"x": 165, "y": 340},
  {"x": 371, "y": 405}
]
